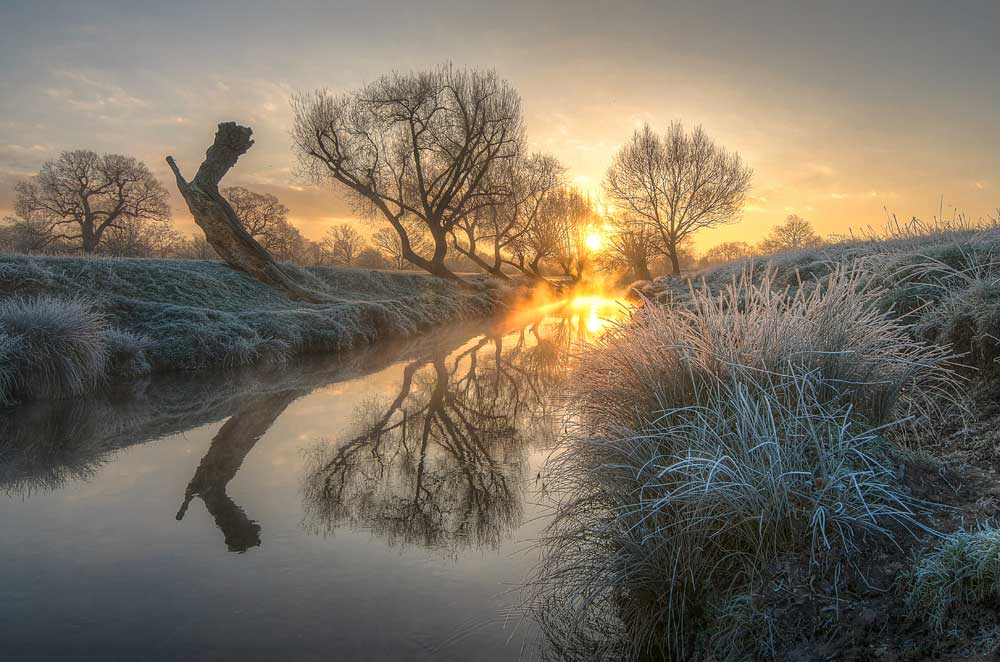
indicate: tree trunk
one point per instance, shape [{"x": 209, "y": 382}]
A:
[
  {"x": 221, "y": 225},
  {"x": 89, "y": 238},
  {"x": 641, "y": 270},
  {"x": 440, "y": 238},
  {"x": 493, "y": 270},
  {"x": 675, "y": 264}
]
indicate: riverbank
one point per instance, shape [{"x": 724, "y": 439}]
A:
[
  {"x": 68, "y": 324},
  {"x": 787, "y": 459}
]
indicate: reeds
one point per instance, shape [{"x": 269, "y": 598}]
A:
[{"x": 712, "y": 441}]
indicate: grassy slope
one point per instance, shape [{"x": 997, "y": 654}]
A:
[
  {"x": 648, "y": 556},
  {"x": 946, "y": 285},
  {"x": 195, "y": 314}
]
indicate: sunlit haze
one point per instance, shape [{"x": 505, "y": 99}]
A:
[{"x": 842, "y": 109}]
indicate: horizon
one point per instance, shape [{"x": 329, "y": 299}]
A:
[{"x": 840, "y": 118}]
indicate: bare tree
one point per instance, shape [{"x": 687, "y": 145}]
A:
[
  {"x": 544, "y": 237},
  {"x": 81, "y": 195},
  {"x": 370, "y": 258},
  {"x": 528, "y": 181},
  {"x": 343, "y": 243},
  {"x": 677, "y": 183},
  {"x": 197, "y": 248},
  {"x": 795, "y": 232},
  {"x": 261, "y": 214},
  {"x": 727, "y": 251},
  {"x": 136, "y": 238},
  {"x": 388, "y": 242},
  {"x": 419, "y": 145},
  {"x": 223, "y": 228},
  {"x": 630, "y": 246},
  {"x": 572, "y": 216}
]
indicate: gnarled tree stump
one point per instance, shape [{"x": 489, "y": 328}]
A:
[{"x": 222, "y": 226}]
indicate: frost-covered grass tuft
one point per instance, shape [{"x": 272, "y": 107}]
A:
[
  {"x": 53, "y": 348},
  {"x": 711, "y": 442},
  {"x": 666, "y": 357},
  {"x": 127, "y": 353},
  {"x": 962, "y": 570}
]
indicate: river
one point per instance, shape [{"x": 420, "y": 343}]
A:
[{"x": 378, "y": 505}]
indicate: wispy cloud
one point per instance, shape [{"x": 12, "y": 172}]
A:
[{"x": 93, "y": 93}]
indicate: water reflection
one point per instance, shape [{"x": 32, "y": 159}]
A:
[
  {"x": 438, "y": 460},
  {"x": 224, "y": 458},
  {"x": 417, "y": 454},
  {"x": 442, "y": 463}
]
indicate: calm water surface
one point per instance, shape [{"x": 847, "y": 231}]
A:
[{"x": 375, "y": 506}]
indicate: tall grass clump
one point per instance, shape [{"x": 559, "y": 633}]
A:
[
  {"x": 714, "y": 441},
  {"x": 50, "y": 347},
  {"x": 961, "y": 298},
  {"x": 962, "y": 570}
]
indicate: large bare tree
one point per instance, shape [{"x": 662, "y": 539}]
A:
[
  {"x": 677, "y": 184},
  {"x": 81, "y": 195},
  {"x": 527, "y": 181},
  {"x": 420, "y": 146}
]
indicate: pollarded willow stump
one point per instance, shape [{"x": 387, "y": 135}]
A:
[{"x": 221, "y": 225}]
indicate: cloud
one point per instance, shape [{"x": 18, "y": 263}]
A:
[
  {"x": 23, "y": 160},
  {"x": 92, "y": 93},
  {"x": 871, "y": 194}
]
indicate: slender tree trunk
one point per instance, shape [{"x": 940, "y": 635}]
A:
[
  {"x": 492, "y": 269},
  {"x": 675, "y": 263},
  {"x": 222, "y": 226}
]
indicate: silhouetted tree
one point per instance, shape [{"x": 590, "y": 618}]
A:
[
  {"x": 795, "y": 232},
  {"x": 571, "y": 212},
  {"x": 677, "y": 183},
  {"x": 136, "y": 238},
  {"x": 197, "y": 248},
  {"x": 261, "y": 214},
  {"x": 630, "y": 246},
  {"x": 556, "y": 233},
  {"x": 527, "y": 181},
  {"x": 388, "y": 242},
  {"x": 727, "y": 251},
  {"x": 369, "y": 258},
  {"x": 81, "y": 195},
  {"x": 420, "y": 145},
  {"x": 343, "y": 244}
]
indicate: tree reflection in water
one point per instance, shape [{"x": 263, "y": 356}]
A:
[
  {"x": 442, "y": 464},
  {"x": 225, "y": 456}
]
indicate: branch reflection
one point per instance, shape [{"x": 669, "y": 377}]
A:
[{"x": 441, "y": 463}]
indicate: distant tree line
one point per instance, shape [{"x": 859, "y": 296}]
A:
[{"x": 438, "y": 161}]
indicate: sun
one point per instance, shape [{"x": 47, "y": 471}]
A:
[{"x": 594, "y": 241}]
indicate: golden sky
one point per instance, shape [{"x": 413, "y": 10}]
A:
[{"x": 842, "y": 109}]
